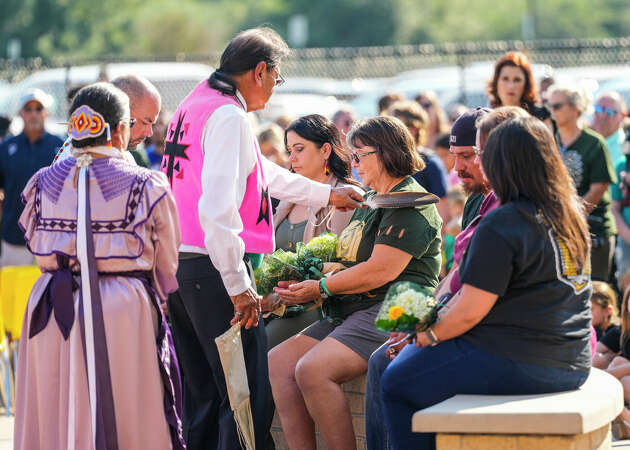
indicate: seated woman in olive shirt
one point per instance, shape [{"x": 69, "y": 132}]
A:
[{"x": 379, "y": 247}]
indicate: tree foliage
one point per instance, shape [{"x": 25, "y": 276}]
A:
[{"x": 51, "y": 28}]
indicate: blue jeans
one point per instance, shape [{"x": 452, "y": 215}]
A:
[
  {"x": 376, "y": 433},
  {"x": 421, "y": 377}
]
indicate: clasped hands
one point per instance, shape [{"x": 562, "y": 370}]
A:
[
  {"x": 295, "y": 293},
  {"x": 248, "y": 304}
]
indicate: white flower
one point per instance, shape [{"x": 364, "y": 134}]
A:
[{"x": 414, "y": 303}]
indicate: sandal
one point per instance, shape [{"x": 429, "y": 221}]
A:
[{"x": 620, "y": 429}]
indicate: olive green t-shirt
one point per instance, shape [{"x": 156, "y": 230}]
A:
[
  {"x": 141, "y": 158},
  {"x": 588, "y": 162},
  {"x": 415, "y": 231},
  {"x": 471, "y": 208}
]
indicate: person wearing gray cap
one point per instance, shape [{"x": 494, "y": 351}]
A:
[{"x": 20, "y": 157}]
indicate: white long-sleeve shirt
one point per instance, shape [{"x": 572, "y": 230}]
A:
[{"x": 228, "y": 143}]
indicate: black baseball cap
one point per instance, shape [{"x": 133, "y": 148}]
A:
[{"x": 464, "y": 130}]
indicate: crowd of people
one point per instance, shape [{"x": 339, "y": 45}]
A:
[{"x": 148, "y": 226}]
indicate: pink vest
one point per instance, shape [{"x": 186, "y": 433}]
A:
[{"x": 182, "y": 163}]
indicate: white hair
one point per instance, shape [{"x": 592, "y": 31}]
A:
[
  {"x": 616, "y": 96},
  {"x": 576, "y": 95}
]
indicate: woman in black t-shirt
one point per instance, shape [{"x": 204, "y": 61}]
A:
[
  {"x": 615, "y": 342},
  {"x": 603, "y": 308},
  {"x": 613, "y": 354},
  {"x": 521, "y": 323}
]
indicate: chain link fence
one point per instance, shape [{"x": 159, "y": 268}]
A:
[
  {"x": 460, "y": 66},
  {"x": 378, "y": 62},
  {"x": 374, "y": 62}
]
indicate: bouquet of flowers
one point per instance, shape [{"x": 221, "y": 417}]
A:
[
  {"x": 307, "y": 263},
  {"x": 324, "y": 247},
  {"x": 408, "y": 308}
]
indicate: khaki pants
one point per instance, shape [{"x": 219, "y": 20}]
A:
[{"x": 14, "y": 255}]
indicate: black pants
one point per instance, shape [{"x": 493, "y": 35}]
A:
[
  {"x": 602, "y": 252},
  {"x": 200, "y": 311}
]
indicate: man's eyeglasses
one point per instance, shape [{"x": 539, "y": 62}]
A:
[
  {"x": 603, "y": 109},
  {"x": 478, "y": 151},
  {"x": 279, "y": 80},
  {"x": 131, "y": 122},
  {"x": 34, "y": 108},
  {"x": 357, "y": 157}
]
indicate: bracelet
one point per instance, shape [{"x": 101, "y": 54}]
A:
[
  {"x": 323, "y": 283},
  {"x": 432, "y": 337}
]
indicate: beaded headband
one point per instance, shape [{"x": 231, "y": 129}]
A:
[{"x": 86, "y": 123}]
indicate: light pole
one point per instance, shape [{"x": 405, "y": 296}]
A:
[{"x": 528, "y": 26}]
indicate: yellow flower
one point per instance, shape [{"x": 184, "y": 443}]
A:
[{"x": 395, "y": 312}]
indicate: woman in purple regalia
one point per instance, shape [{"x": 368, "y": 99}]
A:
[{"x": 96, "y": 365}]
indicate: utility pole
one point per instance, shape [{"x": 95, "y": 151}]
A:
[{"x": 528, "y": 26}]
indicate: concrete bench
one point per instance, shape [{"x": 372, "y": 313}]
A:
[{"x": 574, "y": 420}]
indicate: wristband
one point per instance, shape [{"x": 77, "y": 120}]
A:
[{"x": 323, "y": 285}]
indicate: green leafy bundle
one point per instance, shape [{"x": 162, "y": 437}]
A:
[
  {"x": 407, "y": 307},
  {"x": 306, "y": 263},
  {"x": 324, "y": 247}
]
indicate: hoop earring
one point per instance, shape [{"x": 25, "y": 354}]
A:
[{"x": 326, "y": 168}]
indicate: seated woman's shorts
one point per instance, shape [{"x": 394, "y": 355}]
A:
[{"x": 357, "y": 332}]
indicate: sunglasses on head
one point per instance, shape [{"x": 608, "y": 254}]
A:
[{"x": 603, "y": 109}]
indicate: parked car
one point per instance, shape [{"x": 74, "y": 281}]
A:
[
  {"x": 173, "y": 81},
  {"x": 297, "y": 105},
  {"x": 598, "y": 79},
  {"x": 344, "y": 90},
  {"x": 450, "y": 83}
]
